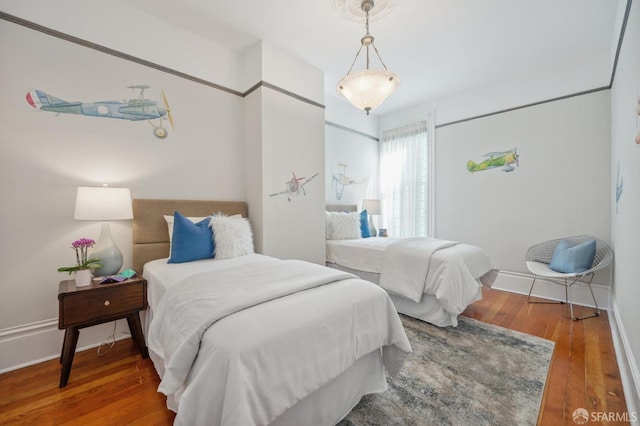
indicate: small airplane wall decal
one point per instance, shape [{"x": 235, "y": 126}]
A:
[
  {"x": 504, "y": 159},
  {"x": 294, "y": 186},
  {"x": 135, "y": 109},
  {"x": 341, "y": 180}
]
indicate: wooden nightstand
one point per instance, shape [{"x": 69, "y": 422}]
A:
[{"x": 81, "y": 307}]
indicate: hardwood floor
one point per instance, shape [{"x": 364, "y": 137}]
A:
[
  {"x": 120, "y": 387},
  {"x": 584, "y": 370}
]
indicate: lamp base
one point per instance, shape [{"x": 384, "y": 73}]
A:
[
  {"x": 111, "y": 260},
  {"x": 372, "y": 229},
  {"x": 108, "y": 252}
]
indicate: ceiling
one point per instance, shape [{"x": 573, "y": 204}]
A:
[{"x": 436, "y": 47}]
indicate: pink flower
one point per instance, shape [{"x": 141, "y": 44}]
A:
[
  {"x": 82, "y": 261},
  {"x": 83, "y": 243}
]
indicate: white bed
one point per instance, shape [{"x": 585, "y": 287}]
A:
[
  {"x": 452, "y": 274},
  {"x": 304, "y": 344}
]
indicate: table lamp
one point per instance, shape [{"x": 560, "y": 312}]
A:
[
  {"x": 373, "y": 208},
  {"x": 104, "y": 203}
]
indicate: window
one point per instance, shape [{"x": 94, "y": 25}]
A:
[{"x": 405, "y": 181}]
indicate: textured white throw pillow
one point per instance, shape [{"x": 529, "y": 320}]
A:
[
  {"x": 343, "y": 226},
  {"x": 232, "y": 236}
]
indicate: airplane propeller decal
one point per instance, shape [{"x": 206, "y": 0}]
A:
[{"x": 166, "y": 106}]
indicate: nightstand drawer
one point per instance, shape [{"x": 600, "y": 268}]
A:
[{"x": 98, "y": 305}]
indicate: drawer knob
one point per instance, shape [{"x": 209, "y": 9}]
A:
[{"x": 107, "y": 303}]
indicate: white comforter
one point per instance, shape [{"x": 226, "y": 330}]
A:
[
  {"x": 455, "y": 272},
  {"x": 251, "y": 366},
  {"x": 406, "y": 263}
]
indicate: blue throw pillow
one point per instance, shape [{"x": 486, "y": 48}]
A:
[
  {"x": 190, "y": 241},
  {"x": 573, "y": 259},
  {"x": 364, "y": 225}
]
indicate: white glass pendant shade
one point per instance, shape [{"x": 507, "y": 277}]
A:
[{"x": 367, "y": 89}]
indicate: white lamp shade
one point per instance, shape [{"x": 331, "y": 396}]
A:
[
  {"x": 366, "y": 89},
  {"x": 103, "y": 203},
  {"x": 371, "y": 206}
]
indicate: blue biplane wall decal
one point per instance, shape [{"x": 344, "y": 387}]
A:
[{"x": 135, "y": 109}]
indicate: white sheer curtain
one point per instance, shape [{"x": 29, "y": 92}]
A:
[{"x": 405, "y": 181}]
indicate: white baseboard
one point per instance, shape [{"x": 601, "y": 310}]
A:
[
  {"x": 517, "y": 282},
  {"x": 628, "y": 367},
  {"x": 40, "y": 341}
]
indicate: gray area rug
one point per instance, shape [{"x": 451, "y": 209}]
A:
[{"x": 475, "y": 374}]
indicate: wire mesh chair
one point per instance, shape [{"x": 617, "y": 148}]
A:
[{"x": 539, "y": 257}]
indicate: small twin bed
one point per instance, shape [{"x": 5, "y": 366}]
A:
[
  {"x": 429, "y": 279},
  {"x": 243, "y": 338}
]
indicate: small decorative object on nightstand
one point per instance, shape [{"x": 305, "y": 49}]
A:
[
  {"x": 96, "y": 304},
  {"x": 82, "y": 269}
]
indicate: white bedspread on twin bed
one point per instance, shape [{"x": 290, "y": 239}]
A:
[
  {"x": 454, "y": 269},
  {"x": 297, "y": 327},
  {"x": 406, "y": 266}
]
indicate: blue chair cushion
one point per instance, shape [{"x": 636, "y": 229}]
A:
[
  {"x": 190, "y": 241},
  {"x": 364, "y": 225},
  {"x": 570, "y": 259}
]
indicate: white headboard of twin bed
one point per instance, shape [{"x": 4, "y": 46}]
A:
[{"x": 341, "y": 207}]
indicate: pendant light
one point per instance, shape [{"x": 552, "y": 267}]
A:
[{"x": 368, "y": 88}]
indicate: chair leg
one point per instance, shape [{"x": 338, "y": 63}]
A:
[
  {"x": 568, "y": 293},
  {"x": 597, "y": 311},
  {"x": 539, "y": 301},
  {"x": 531, "y": 289}
]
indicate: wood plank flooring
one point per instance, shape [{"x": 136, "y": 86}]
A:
[
  {"x": 584, "y": 371},
  {"x": 119, "y": 388}
]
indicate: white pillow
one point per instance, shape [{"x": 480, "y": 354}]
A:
[
  {"x": 328, "y": 226},
  {"x": 169, "y": 220},
  {"x": 232, "y": 236},
  {"x": 343, "y": 226}
]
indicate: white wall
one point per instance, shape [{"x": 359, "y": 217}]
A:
[
  {"x": 562, "y": 79},
  {"x": 351, "y": 149},
  {"x": 625, "y": 231},
  {"x": 44, "y": 157},
  {"x": 120, "y": 27},
  {"x": 355, "y": 156},
  {"x": 561, "y": 187},
  {"x": 293, "y": 141},
  {"x": 285, "y": 135},
  {"x": 339, "y": 111}
]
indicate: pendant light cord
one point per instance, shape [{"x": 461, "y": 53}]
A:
[{"x": 367, "y": 41}]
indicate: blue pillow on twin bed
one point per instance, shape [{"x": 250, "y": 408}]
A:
[
  {"x": 573, "y": 259},
  {"x": 190, "y": 241},
  {"x": 364, "y": 225}
]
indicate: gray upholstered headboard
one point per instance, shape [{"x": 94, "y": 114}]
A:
[
  {"x": 341, "y": 207},
  {"x": 150, "y": 232}
]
